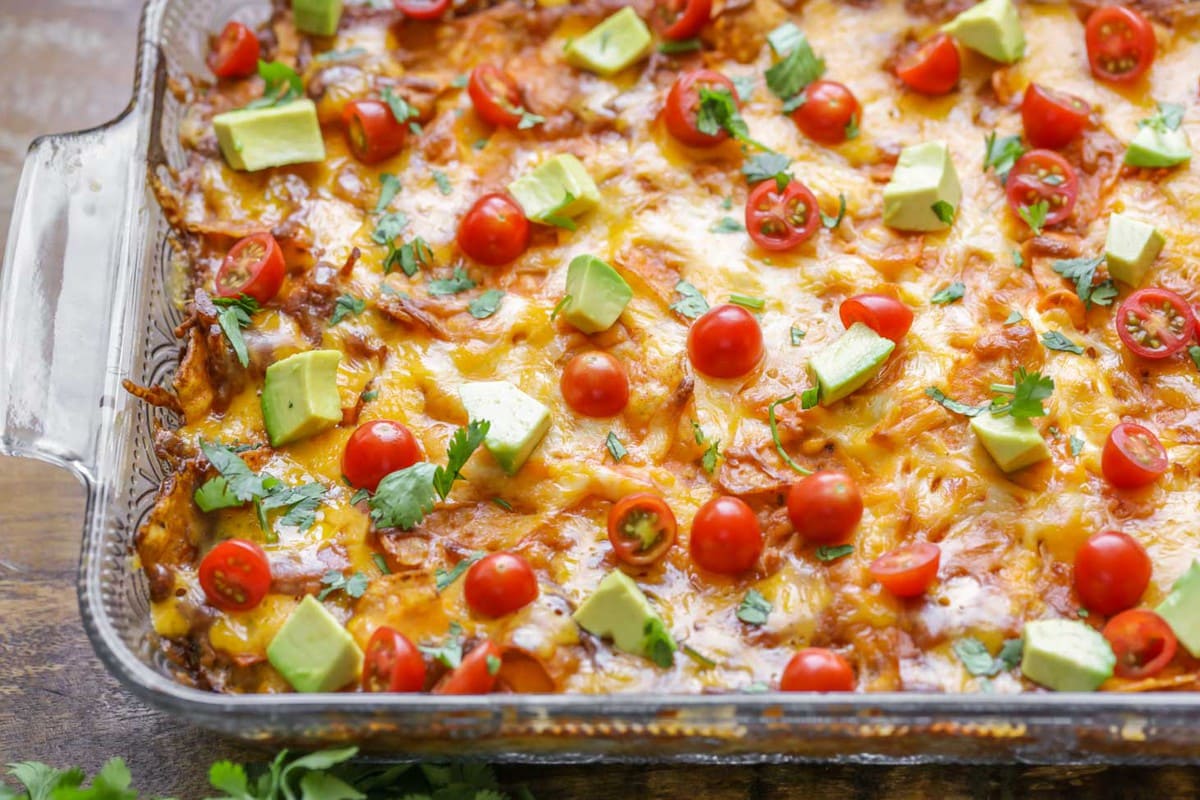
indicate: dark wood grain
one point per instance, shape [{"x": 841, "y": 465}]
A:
[{"x": 68, "y": 64}]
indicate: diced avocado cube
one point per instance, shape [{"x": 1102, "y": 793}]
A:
[
  {"x": 300, "y": 396},
  {"x": 214, "y": 494},
  {"x": 596, "y": 295},
  {"x": 1155, "y": 147},
  {"x": 313, "y": 652},
  {"x": 1012, "y": 443},
  {"x": 1066, "y": 655},
  {"x": 558, "y": 188},
  {"x": 518, "y": 422},
  {"x": 613, "y": 45},
  {"x": 257, "y": 138},
  {"x": 318, "y": 17},
  {"x": 846, "y": 365},
  {"x": 1131, "y": 247},
  {"x": 618, "y": 610},
  {"x": 924, "y": 176},
  {"x": 993, "y": 28},
  {"x": 1181, "y": 609}
]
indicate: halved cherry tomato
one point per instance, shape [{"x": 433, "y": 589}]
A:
[
  {"x": 1132, "y": 457},
  {"x": 825, "y": 507},
  {"x": 595, "y": 384},
  {"x": 1112, "y": 572},
  {"x": 1043, "y": 176},
  {"x": 726, "y": 536},
  {"x": 476, "y": 674},
  {"x": 1142, "y": 641},
  {"x": 885, "y": 315},
  {"x": 680, "y": 19},
  {"x": 908, "y": 571},
  {"x": 780, "y": 220},
  {"x": 681, "y": 112},
  {"x": 494, "y": 231},
  {"x": 372, "y": 130},
  {"x": 495, "y": 95},
  {"x": 235, "y": 52},
  {"x": 641, "y": 528},
  {"x": 377, "y": 449},
  {"x": 253, "y": 267},
  {"x": 423, "y": 9},
  {"x": 1052, "y": 119},
  {"x": 815, "y": 669},
  {"x": 829, "y": 114},
  {"x": 235, "y": 575},
  {"x": 392, "y": 663},
  {"x": 726, "y": 342},
  {"x": 1155, "y": 323},
  {"x": 1120, "y": 44},
  {"x": 933, "y": 68},
  {"x": 500, "y": 584}
]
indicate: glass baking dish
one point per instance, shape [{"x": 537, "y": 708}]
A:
[{"x": 88, "y": 297}]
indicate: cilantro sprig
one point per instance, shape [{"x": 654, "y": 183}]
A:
[
  {"x": 236, "y": 314},
  {"x": 354, "y": 586},
  {"x": 1022, "y": 399},
  {"x": 1000, "y": 153},
  {"x": 800, "y": 66},
  {"x": 283, "y": 85},
  {"x": 1083, "y": 272},
  {"x": 236, "y": 484}
]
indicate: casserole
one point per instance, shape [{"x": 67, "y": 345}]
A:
[{"x": 89, "y": 242}]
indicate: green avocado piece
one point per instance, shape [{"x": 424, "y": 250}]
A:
[
  {"x": 300, "y": 396},
  {"x": 313, "y": 652},
  {"x": 924, "y": 176},
  {"x": 613, "y": 45},
  {"x": 256, "y": 138},
  {"x": 318, "y": 17},
  {"x": 558, "y": 188},
  {"x": 1012, "y": 443},
  {"x": 846, "y": 365},
  {"x": 1181, "y": 609},
  {"x": 596, "y": 295},
  {"x": 1155, "y": 147},
  {"x": 214, "y": 494},
  {"x": 1131, "y": 247},
  {"x": 518, "y": 422},
  {"x": 1066, "y": 655},
  {"x": 618, "y": 610},
  {"x": 993, "y": 28}
]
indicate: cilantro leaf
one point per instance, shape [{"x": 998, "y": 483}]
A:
[
  {"x": 719, "y": 112},
  {"x": 404, "y": 497},
  {"x": 975, "y": 657},
  {"x": 1010, "y": 653},
  {"x": 389, "y": 227},
  {"x": 784, "y": 39},
  {"x": 283, "y": 85},
  {"x": 795, "y": 71},
  {"x": 529, "y": 120},
  {"x": 657, "y": 643},
  {"x": 486, "y": 304},
  {"x": 242, "y": 482},
  {"x": 400, "y": 107},
  {"x": 347, "y": 305},
  {"x": 445, "y": 577},
  {"x": 1035, "y": 215},
  {"x": 1194, "y": 352},
  {"x": 411, "y": 256},
  {"x": 1018, "y": 259},
  {"x": 1001, "y": 153},
  {"x": 810, "y": 397},
  {"x": 953, "y": 405},
  {"x": 797, "y": 336},
  {"x": 449, "y": 652},
  {"x": 301, "y": 503},
  {"x": 459, "y": 282},
  {"x": 775, "y": 436},
  {"x": 708, "y": 461},
  {"x": 727, "y": 225},
  {"x": 381, "y": 563},
  {"x": 354, "y": 586},
  {"x": 1014, "y": 317},
  {"x": 765, "y": 166},
  {"x": 754, "y": 608},
  {"x": 493, "y": 667},
  {"x": 1083, "y": 272},
  {"x": 951, "y": 293},
  {"x": 743, "y": 85},
  {"x": 834, "y": 552},
  {"x": 1028, "y": 391},
  {"x": 943, "y": 211},
  {"x": 691, "y": 303},
  {"x": 615, "y": 448},
  {"x": 852, "y": 129},
  {"x": 443, "y": 182},
  {"x": 1076, "y": 445},
  {"x": 832, "y": 222},
  {"x": 234, "y": 315},
  {"x": 1053, "y": 340},
  {"x": 40, "y": 781},
  {"x": 1168, "y": 118},
  {"x": 463, "y": 445},
  {"x": 214, "y": 494},
  {"x": 389, "y": 188}
]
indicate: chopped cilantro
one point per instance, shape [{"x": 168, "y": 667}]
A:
[
  {"x": 797, "y": 336},
  {"x": 1014, "y": 317},
  {"x": 953, "y": 405},
  {"x": 459, "y": 282},
  {"x": 1076, "y": 445},
  {"x": 711, "y": 451},
  {"x": 389, "y": 227},
  {"x": 951, "y": 293},
  {"x": 381, "y": 562},
  {"x": 1035, "y": 215},
  {"x": 1053, "y": 340},
  {"x": 754, "y": 608},
  {"x": 347, "y": 305},
  {"x": 283, "y": 85},
  {"x": 1168, "y": 118},
  {"x": 354, "y": 586},
  {"x": 450, "y": 651},
  {"x": 727, "y": 225},
  {"x": 944, "y": 211},
  {"x": 1083, "y": 272},
  {"x": 400, "y": 107},
  {"x": 529, "y": 120},
  {"x": 657, "y": 643},
  {"x": 1001, "y": 153},
  {"x": 810, "y": 397},
  {"x": 765, "y": 166},
  {"x": 615, "y": 448},
  {"x": 486, "y": 304},
  {"x": 834, "y": 552},
  {"x": 389, "y": 188},
  {"x": 442, "y": 181},
  {"x": 691, "y": 303},
  {"x": 234, "y": 315},
  {"x": 795, "y": 71},
  {"x": 444, "y": 578}
]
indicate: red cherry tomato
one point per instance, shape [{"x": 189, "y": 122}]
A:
[
  {"x": 726, "y": 536},
  {"x": 1111, "y": 572},
  {"x": 815, "y": 669},
  {"x": 377, "y": 449},
  {"x": 933, "y": 68},
  {"x": 1132, "y": 457},
  {"x": 1120, "y": 44},
  {"x": 825, "y": 507},
  {"x": 1155, "y": 323},
  {"x": 829, "y": 114},
  {"x": 680, "y": 19},
  {"x": 1052, "y": 119},
  {"x": 780, "y": 220},
  {"x": 235, "y": 52},
  {"x": 392, "y": 663},
  {"x": 595, "y": 384},
  {"x": 372, "y": 130},
  {"x": 423, "y": 9},
  {"x": 908, "y": 571},
  {"x": 885, "y": 315},
  {"x": 253, "y": 267},
  {"x": 1042, "y": 176},
  {"x": 495, "y": 96},
  {"x": 641, "y": 528},
  {"x": 494, "y": 231},
  {"x": 726, "y": 342},
  {"x": 681, "y": 113},
  {"x": 235, "y": 575},
  {"x": 1142, "y": 641},
  {"x": 476, "y": 674},
  {"x": 500, "y": 584}
]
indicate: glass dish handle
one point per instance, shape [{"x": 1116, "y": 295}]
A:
[{"x": 64, "y": 292}]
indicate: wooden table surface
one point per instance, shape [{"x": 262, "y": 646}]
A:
[{"x": 69, "y": 64}]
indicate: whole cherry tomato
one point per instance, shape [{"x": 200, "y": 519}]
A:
[
  {"x": 235, "y": 575},
  {"x": 495, "y": 230},
  {"x": 375, "y": 450},
  {"x": 500, "y": 584},
  {"x": 725, "y": 342},
  {"x": 726, "y": 536},
  {"x": 829, "y": 114},
  {"x": 595, "y": 384},
  {"x": 372, "y": 130},
  {"x": 392, "y": 663},
  {"x": 815, "y": 669},
  {"x": 253, "y": 267},
  {"x": 825, "y": 507},
  {"x": 1112, "y": 572}
]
